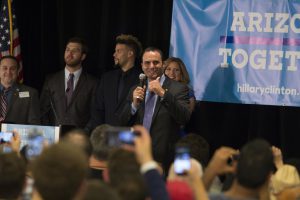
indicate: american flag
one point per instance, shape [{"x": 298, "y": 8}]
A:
[{"x": 9, "y": 34}]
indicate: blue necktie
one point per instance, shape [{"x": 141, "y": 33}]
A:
[{"x": 149, "y": 108}]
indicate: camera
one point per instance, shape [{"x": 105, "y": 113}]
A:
[
  {"x": 118, "y": 136},
  {"x": 5, "y": 137},
  {"x": 34, "y": 147},
  {"x": 182, "y": 162}
]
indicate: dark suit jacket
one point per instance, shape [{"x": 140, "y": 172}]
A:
[
  {"x": 156, "y": 185},
  {"x": 54, "y": 110},
  {"x": 169, "y": 114},
  {"x": 106, "y": 103},
  {"x": 23, "y": 109}
]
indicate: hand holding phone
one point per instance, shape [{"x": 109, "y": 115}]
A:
[
  {"x": 5, "y": 137},
  {"x": 118, "y": 136},
  {"x": 182, "y": 163}
]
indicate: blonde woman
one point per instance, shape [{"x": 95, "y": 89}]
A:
[{"x": 175, "y": 69}]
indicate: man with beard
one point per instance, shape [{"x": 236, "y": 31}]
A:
[
  {"x": 67, "y": 96},
  {"x": 114, "y": 85}
]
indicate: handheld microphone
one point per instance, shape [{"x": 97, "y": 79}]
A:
[
  {"x": 142, "y": 78},
  {"x": 142, "y": 82}
]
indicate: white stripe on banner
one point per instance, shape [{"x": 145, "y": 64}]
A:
[{"x": 240, "y": 51}]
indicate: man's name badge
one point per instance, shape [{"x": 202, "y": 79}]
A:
[{"x": 24, "y": 94}]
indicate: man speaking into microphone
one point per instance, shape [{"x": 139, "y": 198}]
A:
[
  {"x": 114, "y": 85},
  {"x": 162, "y": 107}
]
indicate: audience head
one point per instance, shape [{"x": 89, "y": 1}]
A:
[
  {"x": 175, "y": 69},
  {"x": 79, "y": 138},
  {"x": 124, "y": 175},
  {"x": 97, "y": 190},
  {"x": 59, "y": 172},
  {"x": 12, "y": 175},
  {"x": 132, "y": 188},
  {"x": 152, "y": 63},
  {"x": 9, "y": 67},
  {"x": 121, "y": 163},
  {"x": 198, "y": 147},
  {"x": 98, "y": 140},
  {"x": 75, "y": 52},
  {"x": 255, "y": 164}
]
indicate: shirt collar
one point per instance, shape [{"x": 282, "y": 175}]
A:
[
  {"x": 126, "y": 72},
  {"x": 162, "y": 79},
  {"x": 2, "y": 87},
  {"x": 76, "y": 73}
]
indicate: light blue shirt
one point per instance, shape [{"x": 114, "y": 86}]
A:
[{"x": 9, "y": 93}]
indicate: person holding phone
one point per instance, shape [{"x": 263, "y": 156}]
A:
[
  {"x": 5, "y": 137},
  {"x": 186, "y": 170},
  {"x": 10, "y": 142},
  {"x": 182, "y": 162}
]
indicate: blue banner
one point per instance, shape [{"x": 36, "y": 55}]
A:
[{"x": 240, "y": 51}]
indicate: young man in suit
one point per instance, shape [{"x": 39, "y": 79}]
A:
[
  {"x": 67, "y": 95},
  {"x": 161, "y": 106},
  {"x": 114, "y": 85},
  {"x": 18, "y": 103}
]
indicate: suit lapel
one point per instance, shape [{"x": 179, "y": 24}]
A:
[
  {"x": 131, "y": 81},
  {"x": 78, "y": 87},
  {"x": 14, "y": 97},
  {"x": 60, "y": 88},
  {"x": 141, "y": 111},
  {"x": 114, "y": 86}
]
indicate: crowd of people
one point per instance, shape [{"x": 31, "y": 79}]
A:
[
  {"x": 82, "y": 167},
  {"x": 156, "y": 101}
]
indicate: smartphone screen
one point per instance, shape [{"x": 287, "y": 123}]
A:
[
  {"x": 117, "y": 136},
  {"x": 126, "y": 137},
  {"x": 5, "y": 137},
  {"x": 182, "y": 162},
  {"x": 34, "y": 146}
]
